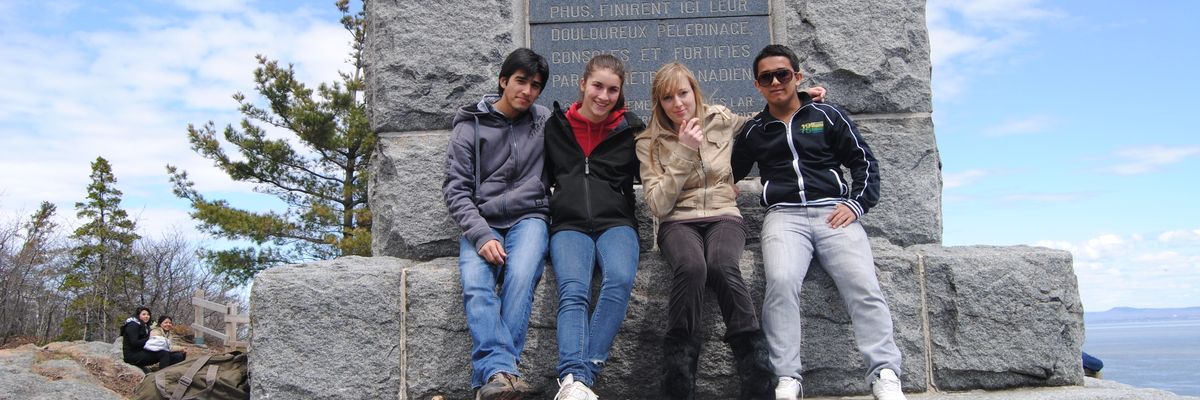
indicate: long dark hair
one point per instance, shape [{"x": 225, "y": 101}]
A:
[{"x": 138, "y": 313}]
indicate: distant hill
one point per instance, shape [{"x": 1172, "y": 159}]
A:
[{"x": 1130, "y": 314}]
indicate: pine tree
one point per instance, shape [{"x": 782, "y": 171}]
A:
[
  {"x": 324, "y": 184},
  {"x": 102, "y": 257}
]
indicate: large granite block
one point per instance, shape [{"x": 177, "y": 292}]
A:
[
  {"x": 1003, "y": 317},
  {"x": 327, "y": 330},
  {"x": 424, "y": 59},
  {"x": 910, "y": 204},
  {"x": 409, "y": 217},
  {"x": 872, "y": 55}
]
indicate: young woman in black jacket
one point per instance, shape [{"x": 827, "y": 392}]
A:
[{"x": 591, "y": 161}]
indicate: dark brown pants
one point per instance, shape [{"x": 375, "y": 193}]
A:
[{"x": 705, "y": 255}]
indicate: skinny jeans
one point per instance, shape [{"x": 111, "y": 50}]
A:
[{"x": 584, "y": 342}]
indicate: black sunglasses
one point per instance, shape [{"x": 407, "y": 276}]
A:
[{"x": 783, "y": 75}]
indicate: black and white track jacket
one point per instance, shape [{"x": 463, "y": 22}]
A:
[{"x": 800, "y": 162}]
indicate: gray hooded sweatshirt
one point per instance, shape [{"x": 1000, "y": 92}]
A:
[{"x": 507, "y": 185}]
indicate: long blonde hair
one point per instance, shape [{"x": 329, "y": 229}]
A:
[{"x": 666, "y": 81}]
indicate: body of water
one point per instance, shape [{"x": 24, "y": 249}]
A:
[{"x": 1157, "y": 354}]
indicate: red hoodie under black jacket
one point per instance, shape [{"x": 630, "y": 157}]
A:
[{"x": 595, "y": 192}]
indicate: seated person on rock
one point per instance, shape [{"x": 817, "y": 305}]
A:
[
  {"x": 800, "y": 147},
  {"x": 163, "y": 329},
  {"x": 495, "y": 190},
  {"x": 136, "y": 333}
]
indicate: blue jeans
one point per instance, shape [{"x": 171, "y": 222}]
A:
[
  {"x": 498, "y": 322},
  {"x": 791, "y": 236},
  {"x": 584, "y": 343}
]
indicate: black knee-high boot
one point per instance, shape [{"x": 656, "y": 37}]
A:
[
  {"x": 680, "y": 356},
  {"x": 753, "y": 360}
]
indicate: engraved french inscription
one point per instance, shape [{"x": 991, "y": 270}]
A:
[{"x": 717, "y": 39}]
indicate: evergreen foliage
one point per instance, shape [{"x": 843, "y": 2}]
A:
[
  {"x": 102, "y": 258},
  {"x": 323, "y": 180}
]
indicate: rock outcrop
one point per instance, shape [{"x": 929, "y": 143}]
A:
[{"x": 53, "y": 372}]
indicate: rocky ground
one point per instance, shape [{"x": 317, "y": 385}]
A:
[
  {"x": 94, "y": 371},
  {"x": 77, "y": 370}
]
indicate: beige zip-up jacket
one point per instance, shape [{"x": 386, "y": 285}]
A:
[{"x": 681, "y": 183}]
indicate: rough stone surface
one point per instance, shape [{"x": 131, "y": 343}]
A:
[
  {"x": 327, "y": 330},
  {"x": 999, "y": 317},
  {"x": 409, "y": 217},
  {"x": 1003, "y": 317},
  {"x": 872, "y": 56},
  {"x": 424, "y": 59},
  {"x": 19, "y": 377},
  {"x": 910, "y": 205}
]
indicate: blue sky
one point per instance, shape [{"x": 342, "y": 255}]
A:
[{"x": 1062, "y": 124}]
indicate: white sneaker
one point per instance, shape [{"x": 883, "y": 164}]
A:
[
  {"x": 887, "y": 386},
  {"x": 788, "y": 388},
  {"x": 570, "y": 389}
]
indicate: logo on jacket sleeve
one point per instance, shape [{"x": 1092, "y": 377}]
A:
[{"x": 813, "y": 127}]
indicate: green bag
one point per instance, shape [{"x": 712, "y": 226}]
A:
[{"x": 222, "y": 376}]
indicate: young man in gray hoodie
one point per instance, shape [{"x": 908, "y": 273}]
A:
[{"x": 496, "y": 191}]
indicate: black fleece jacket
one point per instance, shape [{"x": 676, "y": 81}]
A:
[{"x": 591, "y": 193}]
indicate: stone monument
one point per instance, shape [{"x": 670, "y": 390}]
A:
[{"x": 977, "y": 317}]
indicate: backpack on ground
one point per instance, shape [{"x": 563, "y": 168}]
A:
[{"x": 222, "y": 376}]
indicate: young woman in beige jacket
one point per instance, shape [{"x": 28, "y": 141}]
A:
[{"x": 689, "y": 188}]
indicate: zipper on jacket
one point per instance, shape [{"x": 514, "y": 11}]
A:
[
  {"x": 587, "y": 193},
  {"x": 795, "y": 157}
]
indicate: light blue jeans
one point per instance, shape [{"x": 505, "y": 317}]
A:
[
  {"x": 791, "y": 236},
  {"x": 498, "y": 322},
  {"x": 584, "y": 343}
]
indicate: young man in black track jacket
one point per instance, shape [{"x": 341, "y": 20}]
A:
[{"x": 800, "y": 147}]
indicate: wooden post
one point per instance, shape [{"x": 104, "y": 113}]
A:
[
  {"x": 198, "y": 315},
  {"x": 230, "y": 326}
]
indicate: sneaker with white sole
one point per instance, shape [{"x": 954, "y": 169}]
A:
[
  {"x": 571, "y": 389},
  {"x": 887, "y": 386},
  {"x": 787, "y": 389}
]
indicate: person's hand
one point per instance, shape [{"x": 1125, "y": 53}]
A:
[
  {"x": 817, "y": 93},
  {"x": 690, "y": 134},
  {"x": 736, "y": 190},
  {"x": 183, "y": 350},
  {"x": 493, "y": 252},
  {"x": 841, "y": 217}
]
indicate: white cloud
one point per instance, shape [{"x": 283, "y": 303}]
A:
[
  {"x": 967, "y": 36},
  {"x": 1096, "y": 248},
  {"x": 1021, "y": 126},
  {"x": 1146, "y": 159},
  {"x": 962, "y": 178},
  {"x": 126, "y": 90},
  {"x": 1126, "y": 270},
  {"x": 1181, "y": 236}
]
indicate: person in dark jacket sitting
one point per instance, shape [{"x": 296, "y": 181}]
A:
[
  {"x": 592, "y": 162},
  {"x": 136, "y": 332}
]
